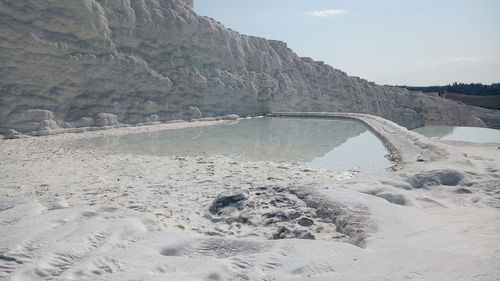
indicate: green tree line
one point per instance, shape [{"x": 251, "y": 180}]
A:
[{"x": 475, "y": 89}]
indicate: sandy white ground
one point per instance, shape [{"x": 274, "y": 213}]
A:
[{"x": 68, "y": 214}]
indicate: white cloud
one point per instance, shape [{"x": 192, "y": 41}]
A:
[
  {"x": 456, "y": 61},
  {"x": 449, "y": 61},
  {"x": 462, "y": 59},
  {"x": 326, "y": 13}
]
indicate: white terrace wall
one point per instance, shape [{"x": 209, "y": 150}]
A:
[{"x": 189, "y": 2}]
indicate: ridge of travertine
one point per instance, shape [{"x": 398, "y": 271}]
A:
[{"x": 87, "y": 63}]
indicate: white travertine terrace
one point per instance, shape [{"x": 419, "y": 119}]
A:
[
  {"x": 77, "y": 214},
  {"x": 189, "y": 2},
  {"x": 70, "y": 64}
]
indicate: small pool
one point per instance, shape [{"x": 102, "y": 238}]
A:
[
  {"x": 470, "y": 134},
  {"x": 338, "y": 144}
]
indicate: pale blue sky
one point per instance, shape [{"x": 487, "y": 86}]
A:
[{"x": 413, "y": 42}]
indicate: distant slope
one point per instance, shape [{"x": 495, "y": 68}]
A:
[
  {"x": 486, "y": 96},
  {"x": 66, "y": 64},
  {"x": 490, "y": 101},
  {"x": 490, "y": 117},
  {"x": 474, "y": 89}
]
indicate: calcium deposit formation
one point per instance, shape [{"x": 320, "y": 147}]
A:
[{"x": 69, "y": 64}]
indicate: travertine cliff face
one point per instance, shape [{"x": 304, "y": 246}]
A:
[{"x": 79, "y": 63}]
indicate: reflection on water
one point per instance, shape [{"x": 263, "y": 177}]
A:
[
  {"x": 319, "y": 143},
  {"x": 471, "y": 134}
]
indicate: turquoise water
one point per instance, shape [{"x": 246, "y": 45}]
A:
[
  {"x": 470, "y": 134},
  {"x": 316, "y": 143}
]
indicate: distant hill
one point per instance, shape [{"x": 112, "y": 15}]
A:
[
  {"x": 475, "y": 94},
  {"x": 475, "y": 89}
]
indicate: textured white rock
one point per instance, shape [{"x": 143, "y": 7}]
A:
[
  {"x": 65, "y": 63},
  {"x": 78, "y": 214}
]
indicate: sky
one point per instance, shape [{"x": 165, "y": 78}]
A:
[{"x": 395, "y": 42}]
